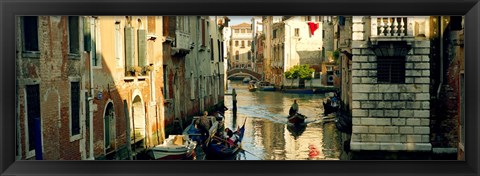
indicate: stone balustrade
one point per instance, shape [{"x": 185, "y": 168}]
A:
[
  {"x": 182, "y": 40},
  {"x": 392, "y": 26}
]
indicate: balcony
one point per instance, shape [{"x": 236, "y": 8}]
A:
[
  {"x": 182, "y": 44},
  {"x": 399, "y": 28}
]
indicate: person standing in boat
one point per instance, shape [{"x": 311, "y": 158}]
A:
[
  {"x": 204, "y": 125},
  {"x": 293, "y": 108}
]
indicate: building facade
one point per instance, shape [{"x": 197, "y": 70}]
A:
[
  {"x": 52, "y": 88},
  {"x": 241, "y": 41},
  {"x": 390, "y": 84},
  {"x": 126, "y": 69},
  {"x": 113, "y": 86}
]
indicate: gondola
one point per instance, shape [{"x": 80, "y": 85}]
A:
[
  {"x": 219, "y": 150},
  {"x": 296, "y": 129},
  {"x": 297, "y": 118},
  {"x": 195, "y": 134}
]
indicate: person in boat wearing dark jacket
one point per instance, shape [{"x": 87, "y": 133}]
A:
[
  {"x": 204, "y": 125},
  {"x": 294, "y": 108}
]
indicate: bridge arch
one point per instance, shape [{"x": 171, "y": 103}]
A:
[{"x": 244, "y": 72}]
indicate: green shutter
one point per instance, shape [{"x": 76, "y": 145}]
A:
[
  {"x": 129, "y": 48},
  {"x": 142, "y": 48},
  {"x": 86, "y": 34}
]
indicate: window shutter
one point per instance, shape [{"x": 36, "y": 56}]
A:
[
  {"x": 142, "y": 49},
  {"x": 203, "y": 32},
  {"x": 87, "y": 38},
  {"x": 129, "y": 47}
]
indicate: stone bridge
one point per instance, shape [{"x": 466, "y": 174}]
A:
[{"x": 244, "y": 72}]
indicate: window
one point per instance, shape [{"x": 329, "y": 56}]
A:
[
  {"x": 211, "y": 49},
  {"x": 236, "y": 43},
  {"x": 462, "y": 108},
  {"x": 219, "y": 49},
  {"x": 275, "y": 33},
  {"x": 237, "y": 30},
  {"x": 309, "y": 18},
  {"x": 33, "y": 112},
  {"x": 249, "y": 31},
  {"x": 249, "y": 43},
  {"x": 165, "y": 82},
  {"x": 192, "y": 87},
  {"x": 87, "y": 111},
  {"x": 30, "y": 32},
  {"x": 391, "y": 70},
  {"x": 249, "y": 55},
  {"x": 237, "y": 55},
  {"x": 242, "y": 30},
  {"x": 323, "y": 34},
  {"x": 243, "y": 44},
  {"x": 297, "y": 32},
  {"x": 118, "y": 45},
  {"x": 73, "y": 34},
  {"x": 75, "y": 108}
]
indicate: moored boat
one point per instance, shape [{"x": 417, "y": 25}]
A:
[
  {"x": 299, "y": 91},
  {"x": 194, "y": 133},
  {"x": 246, "y": 80},
  {"x": 252, "y": 87},
  {"x": 265, "y": 86},
  {"x": 175, "y": 147}
]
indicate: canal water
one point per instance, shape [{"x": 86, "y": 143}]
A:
[{"x": 267, "y": 133}]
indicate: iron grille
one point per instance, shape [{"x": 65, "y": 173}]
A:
[{"x": 391, "y": 70}]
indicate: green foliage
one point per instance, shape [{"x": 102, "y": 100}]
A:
[
  {"x": 300, "y": 71},
  {"x": 336, "y": 54}
]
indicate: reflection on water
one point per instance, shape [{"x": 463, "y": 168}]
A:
[{"x": 268, "y": 135}]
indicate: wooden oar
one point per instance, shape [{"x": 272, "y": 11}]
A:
[{"x": 252, "y": 154}]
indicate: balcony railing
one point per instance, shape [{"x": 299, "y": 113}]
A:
[
  {"x": 182, "y": 43},
  {"x": 383, "y": 26},
  {"x": 182, "y": 40}
]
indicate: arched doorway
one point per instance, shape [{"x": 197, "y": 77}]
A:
[
  {"x": 138, "y": 122},
  {"x": 109, "y": 128}
]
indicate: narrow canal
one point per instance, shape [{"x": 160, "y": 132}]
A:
[{"x": 268, "y": 135}]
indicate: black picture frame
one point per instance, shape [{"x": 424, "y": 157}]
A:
[{"x": 9, "y": 9}]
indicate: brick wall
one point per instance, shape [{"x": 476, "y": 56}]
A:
[{"x": 51, "y": 69}]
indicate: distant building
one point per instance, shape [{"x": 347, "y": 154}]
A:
[
  {"x": 295, "y": 40},
  {"x": 241, "y": 41}
]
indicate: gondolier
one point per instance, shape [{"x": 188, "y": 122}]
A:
[{"x": 293, "y": 108}]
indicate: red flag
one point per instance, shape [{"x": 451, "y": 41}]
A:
[{"x": 313, "y": 27}]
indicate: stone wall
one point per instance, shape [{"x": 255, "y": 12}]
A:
[{"x": 389, "y": 117}]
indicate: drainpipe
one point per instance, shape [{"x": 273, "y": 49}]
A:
[
  {"x": 441, "y": 57},
  {"x": 90, "y": 99}
]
